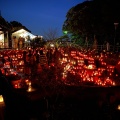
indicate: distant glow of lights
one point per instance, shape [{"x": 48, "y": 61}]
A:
[
  {"x": 118, "y": 107},
  {"x": 51, "y": 45},
  {"x": 1, "y": 99},
  {"x": 24, "y": 33},
  {"x": 30, "y": 88},
  {"x": 65, "y": 32}
]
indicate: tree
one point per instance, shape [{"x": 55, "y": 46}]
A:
[
  {"x": 38, "y": 42},
  {"x": 93, "y": 18},
  {"x": 4, "y": 25},
  {"x": 17, "y": 25},
  {"x": 50, "y": 34},
  {"x": 75, "y": 23}
]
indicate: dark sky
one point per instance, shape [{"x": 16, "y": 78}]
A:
[{"x": 37, "y": 15}]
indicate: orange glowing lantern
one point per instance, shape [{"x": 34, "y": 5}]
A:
[{"x": 118, "y": 67}]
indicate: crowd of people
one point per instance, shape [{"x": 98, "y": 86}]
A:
[{"x": 20, "y": 43}]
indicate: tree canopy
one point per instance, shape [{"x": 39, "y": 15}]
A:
[
  {"x": 94, "y": 18},
  {"x": 4, "y": 25},
  {"x": 17, "y": 25}
]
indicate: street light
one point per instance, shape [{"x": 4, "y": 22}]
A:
[{"x": 115, "y": 24}]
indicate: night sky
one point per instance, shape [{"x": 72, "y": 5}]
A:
[{"x": 37, "y": 15}]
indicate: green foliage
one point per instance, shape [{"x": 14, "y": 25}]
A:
[
  {"x": 38, "y": 42},
  {"x": 96, "y": 17},
  {"x": 63, "y": 38},
  {"x": 77, "y": 39}
]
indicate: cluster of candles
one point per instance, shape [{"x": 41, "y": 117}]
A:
[
  {"x": 12, "y": 64},
  {"x": 72, "y": 62}
]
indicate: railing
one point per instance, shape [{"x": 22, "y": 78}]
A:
[
  {"x": 90, "y": 46},
  {"x": 103, "y": 47}
]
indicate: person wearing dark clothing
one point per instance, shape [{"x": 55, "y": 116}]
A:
[
  {"x": 97, "y": 63},
  {"x": 86, "y": 62},
  {"x": 41, "y": 52},
  {"x": 49, "y": 56},
  {"x": 37, "y": 57},
  {"x": 3, "y": 60},
  {"x": 24, "y": 56}
]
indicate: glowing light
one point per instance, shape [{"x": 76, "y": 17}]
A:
[
  {"x": 118, "y": 107},
  {"x": 1, "y": 99},
  {"x": 30, "y": 88},
  {"x": 52, "y": 45}
]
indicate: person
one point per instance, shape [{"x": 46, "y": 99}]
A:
[
  {"x": 20, "y": 41},
  {"x": 24, "y": 56},
  {"x": 107, "y": 46},
  {"x": 15, "y": 42}
]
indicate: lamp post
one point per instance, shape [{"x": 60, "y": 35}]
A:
[{"x": 115, "y": 24}]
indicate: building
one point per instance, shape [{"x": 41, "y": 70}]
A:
[
  {"x": 5, "y": 35},
  {"x": 14, "y": 37},
  {"x": 21, "y": 38}
]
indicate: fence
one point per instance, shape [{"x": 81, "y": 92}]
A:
[
  {"x": 102, "y": 47},
  {"x": 90, "y": 46}
]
